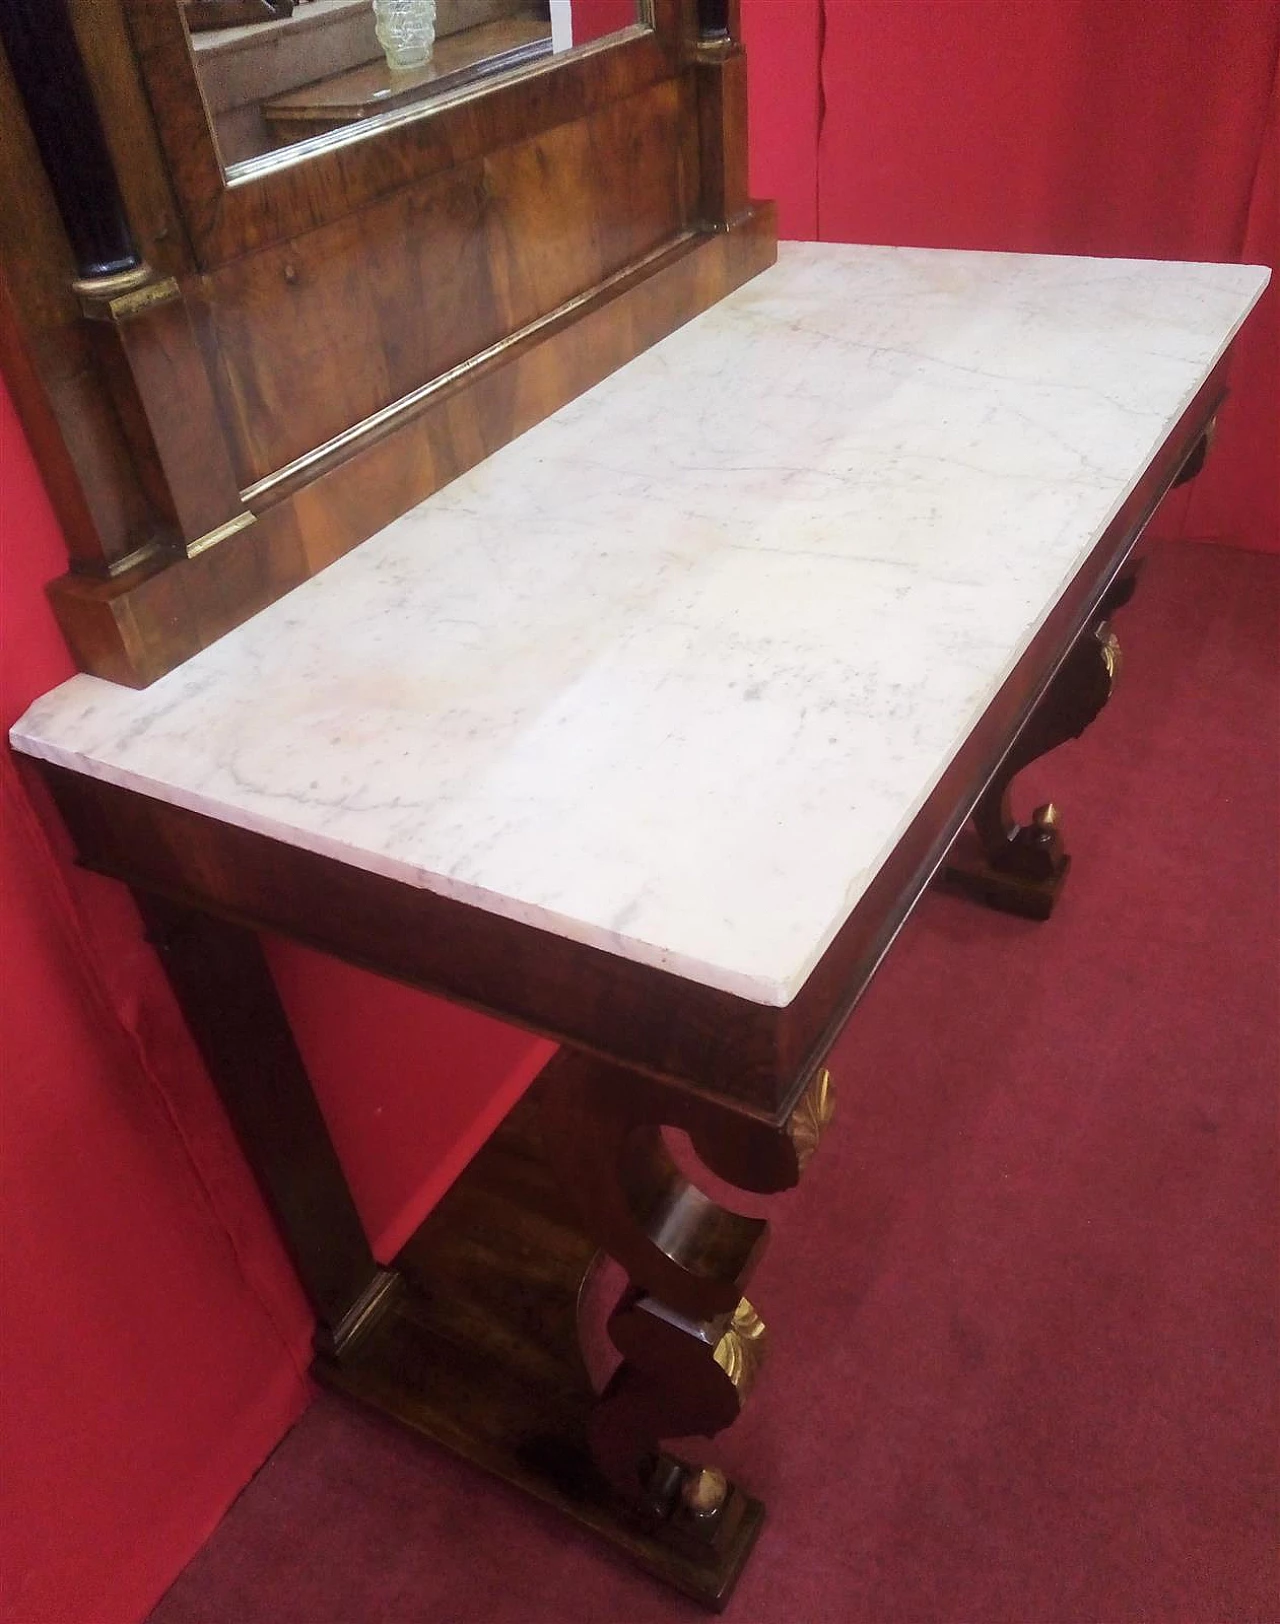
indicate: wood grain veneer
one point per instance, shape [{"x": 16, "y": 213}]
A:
[{"x": 336, "y": 330}]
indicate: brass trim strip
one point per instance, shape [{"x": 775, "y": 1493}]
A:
[
  {"x": 132, "y": 304},
  {"x": 124, "y": 306},
  {"x": 211, "y": 538},
  {"x": 128, "y": 561},
  {"x": 386, "y": 416},
  {"x": 106, "y": 287}
]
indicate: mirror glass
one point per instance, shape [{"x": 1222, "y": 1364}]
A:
[{"x": 276, "y": 72}]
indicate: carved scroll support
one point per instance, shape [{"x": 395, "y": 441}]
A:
[
  {"x": 603, "y": 1136},
  {"x": 514, "y": 1344},
  {"x": 678, "y": 1378},
  {"x": 1021, "y": 868},
  {"x": 691, "y": 1343}
]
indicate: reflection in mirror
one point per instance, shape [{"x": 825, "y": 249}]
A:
[{"x": 275, "y": 72}]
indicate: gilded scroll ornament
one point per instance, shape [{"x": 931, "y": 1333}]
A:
[
  {"x": 1111, "y": 656},
  {"x": 740, "y": 1350},
  {"x": 810, "y": 1118}
]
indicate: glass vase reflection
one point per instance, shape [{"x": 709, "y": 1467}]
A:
[{"x": 406, "y": 31}]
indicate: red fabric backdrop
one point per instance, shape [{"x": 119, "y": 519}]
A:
[
  {"x": 154, "y": 1339},
  {"x": 1139, "y": 127},
  {"x": 593, "y": 19},
  {"x": 154, "y": 1335}
]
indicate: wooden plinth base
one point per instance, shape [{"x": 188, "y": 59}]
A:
[
  {"x": 970, "y": 873},
  {"x": 480, "y": 1351}
]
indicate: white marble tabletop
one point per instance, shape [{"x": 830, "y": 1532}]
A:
[{"x": 672, "y": 673}]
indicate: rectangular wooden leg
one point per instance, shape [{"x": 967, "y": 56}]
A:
[{"x": 225, "y": 990}]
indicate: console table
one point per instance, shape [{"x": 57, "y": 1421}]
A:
[{"x": 647, "y": 733}]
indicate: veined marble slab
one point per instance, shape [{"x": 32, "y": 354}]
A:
[{"x": 672, "y": 673}]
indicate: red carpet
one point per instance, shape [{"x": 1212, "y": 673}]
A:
[{"x": 1024, "y": 1355}]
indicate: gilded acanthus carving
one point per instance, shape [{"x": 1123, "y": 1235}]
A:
[{"x": 810, "y": 1118}]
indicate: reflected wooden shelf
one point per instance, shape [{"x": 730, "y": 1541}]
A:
[{"x": 373, "y": 87}]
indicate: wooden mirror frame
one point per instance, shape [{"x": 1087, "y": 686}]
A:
[
  {"x": 314, "y": 182},
  {"x": 302, "y": 351}
]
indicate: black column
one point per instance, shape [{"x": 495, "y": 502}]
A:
[
  {"x": 45, "y": 60},
  {"x": 713, "y": 19}
]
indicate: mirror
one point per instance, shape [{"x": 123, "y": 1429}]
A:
[{"x": 277, "y": 72}]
